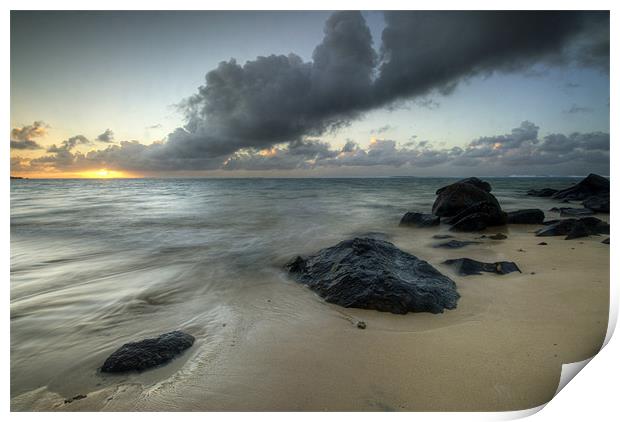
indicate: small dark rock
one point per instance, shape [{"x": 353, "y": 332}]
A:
[
  {"x": 78, "y": 397},
  {"x": 498, "y": 236},
  {"x": 147, "y": 353},
  {"x": 419, "y": 219},
  {"x": 374, "y": 274},
  {"x": 455, "y": 244},
  {"x": 606, "y": 241},
  {"x": 545, "y": 192},
  {"x": 467, "y": 266},
  {"x": 361, "y": 325},
  {"x": 543, "y": 243},
  {"x": 574, "y": 212},
  {"x": 529, "y": 216},
  {"x": 442, "y": 236}
]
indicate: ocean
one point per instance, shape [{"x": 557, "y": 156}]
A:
[{"x": 95, "y": 263}]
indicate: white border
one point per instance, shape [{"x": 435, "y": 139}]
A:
[{"x": 592, "y": 394}]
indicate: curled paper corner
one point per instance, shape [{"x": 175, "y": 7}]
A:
[{"x": 569, "y": 370}]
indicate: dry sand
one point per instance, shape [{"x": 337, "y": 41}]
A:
[{"x": 501, "y": 349}]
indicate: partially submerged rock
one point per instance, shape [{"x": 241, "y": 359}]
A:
[
  {"x": 419, "y": 219},
  {"x": 574, "y": 228},
  {"x": 606, "y": 241},
  {"x": 455, "y": 244},
  {"x": 454, "y": 198},
  {"x": 528, "y": 216},
  {"x": 498, "y": 236},
  {"x": 147, "y": 353},
  {"x": 480, "y": 184},
  {"x": 374, "y": 274},
  {"x": 442, "y": 236},
  {"x": 593, "y": 185},
  {"x": 467, "y": 266},
  {"x": 543, "y": 193},
  {"x": 597, "y": 203},
  {"x": 572, "y": 212},
  {"x": 478, "y": 217}
]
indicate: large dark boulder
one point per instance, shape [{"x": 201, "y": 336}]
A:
[
  {"x": 593, "y": 185},
  {"x": 147, "y": 353},
  {"x": 458, "y": 196},
  {"x": 529, "y": 216},
  {"x": 574, "y": 228},
  {"x": 478, "y": 217},
  {"x": 543, "y": 193},
  {"x": 597, "y": 203},
  {"x": 480, "y": 184},
  {"x": 419, "y": 219},
  {"x": 374, "y": 274},
  {"x": 468, "y": 266}
]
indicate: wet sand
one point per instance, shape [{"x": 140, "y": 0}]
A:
[{"x": 501, "y": 349}]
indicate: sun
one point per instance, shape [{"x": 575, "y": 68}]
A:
[{"x": 103, "y": 174}]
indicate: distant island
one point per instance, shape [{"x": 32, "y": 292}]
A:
[{"x": 17, "y": 177}]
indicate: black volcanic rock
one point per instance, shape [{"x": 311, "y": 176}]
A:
[
  {"x": 455, "y": 244},
  {"x": 374, "y": 274},
  {"x": 573, "y": 228},
  {"x": 467, "y": 266},
  {"x": 478, "y": 217},
  {"x": 597, "y": 203},
  {"x": 457, "y": 197},
  {"x": 572, "y": 212},
  {"x": 419, "y": 219},
  {"x": 471, "y": 223},
  {"x": 480, "y": 184},
  {"x": 529, "y": 216},
  {"x": 147, "y": 353},
  {"x": 606, "y": 241},
  {"x": 543, "y": 193},
  {"x": 498, "y": 236},
  {"x": 442, "y": 236},
  {"x": 593, "y": 185}
]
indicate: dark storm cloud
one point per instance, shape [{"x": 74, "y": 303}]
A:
[
  {"x": 243, "y": 110},
  {"x": 277, "y": 99},
  {"x": 426, "y": 51},
  {"x": 22, "y": 137},
  {"x": 107, "y": 136}
]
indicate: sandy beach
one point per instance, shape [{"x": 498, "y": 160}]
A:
[{"x": 501, "y": 349}]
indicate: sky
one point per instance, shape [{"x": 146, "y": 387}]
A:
[{"x": 309, "y": 94}]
